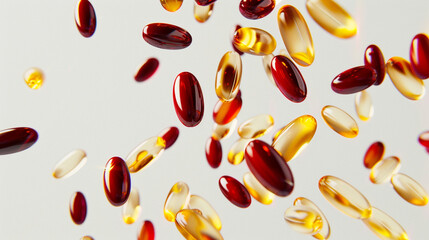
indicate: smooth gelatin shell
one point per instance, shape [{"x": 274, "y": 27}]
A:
[
  {"x": 340, "y": 121},
  {"x": 345, "y": 197},
  {"x": 419, "y": 56},
  {"x": 269, "y": 167},
  {"x": 405, "y": 81},
  {"x": 213, "y": 152},
  {"x": 303, "y": 219},
  {"x": 266, "y": 62},
  {"x": 147, "y": 231},
  {"x": 78, "y": 208},
  {"x": 288, "y": 79},
  {"x": 193, "y": 226},
  {"x": 254, "y": 41},
  {"x": 363, "y": 105},
  {"x": 232, "y": 42},
  {"x": 203, "y": 13},
  {"x": 325, "y": 231},
  {"x": 145, "y": 154},
  {"x": 14, "y": 140},
  {"x": 373, "y": 155},
  {"x": 257, "y": 190},
  {"x": 236, "y": 152},
  {"x": 256, "y": 9},
  {"x": 169, "y": 135},
  {"x": 354, "y": 80},
  {"x": 171, "y": 5},
  {"x": 204, "y": 2},
  {"x": 228, "y": 76},
  {"x": 225, "y": 112},
  {"x": 197, "y": 202},
  {"x": 147, "y": 70},
  {"x": 188, "y": 99},
  {"x": 117, "y": 181},
  {"x": 166, "y": 36},
  {"x": 234, "y": 191},
  {"x": 383, "y": 170},
  {"x": 296, "y": 35},
  {"x": 256, "y": 127},
  {"x": 424, "y": 139},
  {"x": 70, "y": 164},
  {"x": 34, "y": 78},
  {"x": 384, "y": 226},
  {"x": 85, "y": 18},
  {"x": 374, "y": 59},
  {"x": 177, "y": 199},
  {"x": 223, "y": 131},
  {"x": 131, "y": 209},
  {"x": 409, "y": 189}
]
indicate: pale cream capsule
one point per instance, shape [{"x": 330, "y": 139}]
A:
[
  {"x": 145, "y": 154},
  {"x": 364, "y": 107},
  {"x": 409, "y": 189},
  {"x": 197, "y": 202},
  {"x": 340, "y": 121},
  {"x": 256, "y": 126},
  {"x": 203, "y": 13},
  {"x": 257, "y": 190},
  {"x": 177, "y": 199},
  {"x": 405, "y": 81},
  {"x": 70, "y": 164},
  {"x": 325, "y": 231},
  {"x": 266, "y": 62},
  {"x": 303, "y": 219},
  {"x": 384, "y": 226},
  {"x": 193, "y": 226},
  {"x": 236, "y": 152},
  {"x": 131, "y": 209},
  {"x": 383, "y": 170},
  {"x": 223, "y": 131}
]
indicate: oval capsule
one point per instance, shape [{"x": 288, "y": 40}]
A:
[
  {"x": 213, "y": 152},
  {"x": 203, "y": 13},
  {"x": 374, "y": 59},
  {"x": 131, "y": 209},
  {"x": 34, "y": 78},
  {"x": 147, "y": 231},
  {"x": 303, "y": 219},
  {"x": 232, "y": 42},
  {"x": 354, "y": 80},
  {"x": 224, "y": 112},
  {"x": 340, "y": 121},
  {"x": 363, "y": 105},
  {"x": 192, "y": 225},
  {"x": 188, "y": 99},
  {"x": 166, "y": 36},
  {"x": 383, "y": 170},
  {"x": 145, "y": 154},
  {"x": 117, "y": 181},
  {"x": 70, "y": 164},
  {"x": 345, "y": 197},
  {"x": 399, "y": 71},
  {"x": 384, "y": 226},
  {"x": 18, "y": 139},
  {"x": 419, "y": 56},
  {"x": 177, "y": 199},
  {"x": 256, "y": 126},
  {"x": 254, "y": 41},
  {"x": 373, "y": 155},
  {"x": 223, "y": 131},
  {"x": 85, "y": 18},
  {"x": 409, "y": 189},
  {"x": 257, "y": 190},
  {"x": 86, "y": 238},
  {"x": 236, "y": 152},
  {"x": 171, "y": 5},
  {"x": 197, "y": 202},
  {"x": 325, "y": 231},
  {"x": 288, "y": 79},
  {"x": 234, "y": 191},
  {"x": 204, "y": 2},
  {"x": 332, "y": 17},
  {"x": 296, "y": 35},
  {"x": 266, "y": 63},
  {"x": 256, "y": 9},
  {"x": 78, "y": 208},
  {"x": 147, "y": 70},
  {"x": 228, "y": 76},
  {"x": 424, "y": 139},
  {"x": 169, "y": 135}
]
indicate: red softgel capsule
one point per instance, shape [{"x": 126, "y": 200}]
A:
[
  {"x": 170, "y": 136},
  {"x": 373, "y": 154},
  {"x": 85, "y": 18},
  {"x": 269, "y": 167},
  {"x": 166, "y": 36},
  {"x": 14, "y": 140},
  {"x": 225, "y": 112},
  {"x": 419, "y": 56},
  {"x": 354, "y": 80},
  {"x": 424, "y": 139},
  {"x": 147, "y": 70},
  {"x": 234, "y": 191},
  {"x": 374, "y": 59},
  {"x": 204, "y": 2},
  {"x": 188, "y": 99},
  {"x": 147, "y": 231},
  {"x": 117, "y": 181},
  {"x": 256, "y": 9},
  {"x": 213, "y": 152},
  {"x": 78, "y": 208},
  {"x": 288, "y": 79}
]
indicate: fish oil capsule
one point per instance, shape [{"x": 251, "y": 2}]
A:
[
  {"x": 228, "y": 76},
  {"x": 177, "y": 199},
  {"x": 225, "y": 112},
  {"x": 424, "y": 139},
  {"x": 78, "y": 208},
  {"x": 70, "y": 164},
  {"x": 257, "y": 190},
  {"x": 204, "y": 2},
  {"x": 303, "y": 219},
  {"x": 213, "y": 152},
  {"x": 147, "y": 231},
  {"x": 131, "y": 209},
  {"x": 325, "y": 231},
  {"x": 384, "y": 226},
  {"x": 288, "y": 79},
  {"x": 203, "y": 13},
  {"x": 223, "y": 131},
  {"x": 256, "y": 126},
  {"x": 294, "y": 137},
  {"x": 296, "y": 35},
  {"x": 354, "y": 80},
  {"x": 340, "y": 121},
  {"x": 117, "y": 181},
  {"x": 34, "y": 78},
  {"x": 234, "y": 191},
  {"x": 419, "y": 56},
  {"x": 13, "y": 140},
  {"x": 169, "y": 135},
  {"x": 236, "y": 152},
  {"x": 266, "y": 63},
  {"x": 374, "y": 59},
  {"x": 254, "y": 41},
  {"x": 85, "y": 18},
  {"x": 147, "y": 70},
  {"x": 197, "y": 202},
  {"x": 171, "y": 5},
  {"x": 363, "y": 105},
  {"x": 409, "y": 189},
  {"x": 256, "y": 9},
  {"x": 399, "y": 71},
  {"x": 193, "y": 225},
  {"x": 166, "y": 36},
  {"x": 345, "y": 197},
  {"x": 374, "y": 154},
  {"x": 145, "y": 154},
  {"x": 232, "y": 42},
  {"x": 332, "y": 17},
  {"x": 86, "y": 238},
  {"x": 383, "y": 170}
]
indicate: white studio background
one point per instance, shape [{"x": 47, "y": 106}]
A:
[{"x": 91, "y": 101}]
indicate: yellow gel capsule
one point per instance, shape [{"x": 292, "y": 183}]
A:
[
  {"x": 332, "y": 17},
  {"x": 256, "y": 126},
  {"x": 296, "y": 35},
  {"x": 325, "y": 231},
  {"x": 294, "y": 137},
  {"x": 303, "y": 219},
  {"x": 266, "y": 62},
  {"x": 223, "y": 131},
  {"x": 70, "y": 164},
  {"x": 257, "y": 190},
  {"x": 236, "y": 152},
  {"x": 193, "y": 226},
  {"x": 254, "y": 41},
  {"x": 197, "y": 202},
  {"x": 344, "y": 197},
  {"x": 228, "y": 76},
  {"x": 383, "y": 170},
  {"x": 405, "y": 81},
  {"x": 409, "y": 189},
  {"x": 340, "y": 121},
  {"x": 384, "y": 226},
  {"x": 86, "y": 238},
  {"x": 171, "y": 5},
  {"x": 144, "y": 154},
  {"x": 131, "y": 209},
  {"x": 177, "y": 199},
  {"x": 364, "y": 107},
  {"x": 202, "y": 13},
  {"x": 34, "y": 78}
]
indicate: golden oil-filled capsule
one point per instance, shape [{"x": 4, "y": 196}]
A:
[
  {"x": 171, "y": 5},
  {"x": 256, "y": 126},
  {"x": 34, "y": 78},
  {"x": 332, "y": 17},
  {"x": 202, "y": 13},
  {"x": 223, "y": 131},
  {"x": 344, "y": 197},
  {"x": 296, "y": 35},
  {"x": 266, "y": 62},
  {"x": 131, "y": 209},
  {"x": 295, "y": 136},
  {"x": 193, "y": 226},
  {"x": 303, "y": 219},
  {"x": 405, "y": 81},
  {"x": 340, "y": 121},
  {"x": 383, "y": 170},
  {"x": 254, "y": 41},
  {"x": 257, "y": 190},
  {"x": 144, "y": 154},
  {"x": 86, "y": 238},
  {"x": 325, "y": 231},
  {"x": 384, "y": 226},
  {"x": 409, "y": 189},
  {"x": 228, "y": 76},
  {"x": 177, "y": 199},
  {"x": 197, "y": 202},
  {"x": 236, "y": 152},
  {"x": 363, "y": 104},
  {"x": 70, "y": 164}
]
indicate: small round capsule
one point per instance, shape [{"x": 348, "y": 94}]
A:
[
  {"x": 147, "y": 70},
  {"x": 147, "y": 231},
  {"x": 34, "y": 78},
  {"x": 85, "y": 18},
  {"x": 236, "y": 152},
  {"x": 13, "y": 140},
  {"x": 374, "y": 154},
  {"x": 228, "y": 76},
  {"x": 256, "y": 126},
  {"x": 340, "y": 121},
  {"x": 288, "y": 79},
  {"x": 424, "y": 139},
  {"x": 171, "y": 5},
  {"x": 117, "y": 181},
  {"x": 256, "y": 9},
  {"x": 363, "y": 105},
  {"x": 254, "y": 41},
  {"x": 409, "y": 189},
  {"x": 354, "y": 80},
  {"x": 197, "y": 202},
  {"x": 257, "y": 190},
  {"x": 399, "y": 71},
  {"x": 177, "y": 199},
  {"x": 131, "y": 209},
  {"x": 169, "y": 135},
  {"x": 223, "y": 131},
  {"x": 374, "y": 59},
  {"x": 384, "y": 226},
  {"x": 419, "y": 56},
  {"x": 224, "y": 112},
  {"x": 145, "y": 154},
  {"x": 325, "y": 231},
  {"x": 203, "y": 13},
  {"x": 383, "y": 170},
  {"x": 78, "y": 208},
  {"x": 213, "y": 152},
  {"x": 70, "y": 164},
  {"x": 192, "y": 225},
  {"x": 166, "y": 36},
  {"x": 234, "y": 191},
  {"x": 303, "y": 219}
]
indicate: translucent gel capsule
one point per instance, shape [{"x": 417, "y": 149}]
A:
[
  {"x": 213, "y": 152},
  {"x": 340, "y": 121},
  {"x": 419, "y": 56},
  {"x": 78, "y": 208},
  {"x": 203, "y": 13},
  {"x": 424, "y": 139},
  {"x": 85, "y": 18},
  {"x": 294, "y": 137},
  {"x": 409, "y": 189},
  {"x": 228, "y": 76},
  {"x": 325, "y": 231},
  {"x": 169, "y": 135},
  {"x": 344, "y": 197},
  {"x": 223, "y": 131},
  {"x": 234, "y": 191},
  {"x": 70, "y": 164},
  {"x": 86, "y": 238},
  {"x": 384, "y": 226},
  {"x": 354, "y": 80},
  {"x": 374, "y": 59},
  {"x": 296, "y": 35},
  {"x": 332, "y": 17},
  {"x": 225, "y": 112},
  {"x": 374, "y": 154},
  {"x": 171, "y": 5},
  {"x": 288, "y": 79},
  {"x": 166, "y": 36},
  {"x": 197, "y": 202},
  {"x": 269, "y": 167},
  {"x": 117, "y": 181},
  {"x": 18, "y": 139},
  {"x": 266, "y": 62},
  {"x": 145, "y": 154},
  {"x": 303, "y": 219},
  {"x": 204, "y": 2},
  {"x": 236, "y": 152},
  {"x": 383, "y": 170},
  {"x": 147, "y": 231},
  {"x": 256, "y": 126},
  {"x": 177, "y": 199},
  {"x": 363, "y": 105},
  {"x": 399, "y": 71},
  {"x": 194, "y": 226},
  {"x": 254, "y": 41},
  {"x": 232, "y": 42},
  {"x": 147, "y": 70},
  {"x": 256, "y": 9},
  {"x": 34, "y": 78},
  {"x": 257, "y": 190},
  {"x": 131, "y": 209}
]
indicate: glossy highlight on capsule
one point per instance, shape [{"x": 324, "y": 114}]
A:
[
  {"x": 303, "y": 219},
  {"x": 18, "y": 139},
  {"x": 166, "y": 36},
  {"x": 340, "y": 121},
  {"x": 228, "y": 76},
  {"x": 117, "y": 181},
  {"x": 85, "y": 18},
  {"x": 373, "y": 154},
  {"x": 354, "y": 80},
  {"x": 254, "y": 41},
  {"x": 234, "y": 191},
  {"x": 147, "y": 70},
  {"x": 399, "y": 71},
  {"x": 147, "y": 231},
  {"x": 171, "y": 5},
  {"x": 203, "y": 13},
  {"x": 177, "y": 199},
  {"x": 226, "y": 111},
  {"x": 213, "y": 152},
  {"x": 145, "y": 154},
  {"x": 419, "y": 56},
  {"x": 34, "y": 78},
  {"x": 78, "y": 208},
  {"x": 192, "y": 225},
  {"x": 288, "y": 79},
  {"x": 374, "y": 59},
  {"x": 169, "y": 135},
  {"x": 424, "y": 139},
  {"x": 256, "y": 9}
]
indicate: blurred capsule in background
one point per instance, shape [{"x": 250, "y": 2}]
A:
[
  {"x": 373, "y": 154},
  {"x": 223, "y": 131},
  {"x": 383, "y": 170},
  {"x": 70, "y": 164},
  {"x": 288, "y": 79},
  {"x": 340, "y": 121},
  {"x": 85, "y": 18},
  {"x": 203, "y": 13},
  {"x": 256, "y": 126},
  {"x": 228, "y": 76},
  {"x": 236, "y": 152},
  {"x": 177, "y": 199},
  {"x": 256, "y": 9},
  {"x": 226, "y": 111},
  {"x": 197, "y": 202},
  {"x": 18, "y": 139},
  {"x": 419, "y": 56},
  {"x": 171, "y": 5},
  {"x": 254, "y": 41},
  {"x": 213, "y": 152},
  {"x": 399, "y": 71},
  {"x": 145, "y": 154},
  {"x": 266, "y": 63},
  {"x": 354, "y": 80},
  {"x": 34, "y": 78},
  {"x": 363, "y": 105},
  {"x": 131, "y": 209},
  {"x": 86, "y": 238},
  {"x": 147, "y": 70},
  {"x": 169, "y": 135},
  {"x": 374, "y": 59},
  {"x": 78, "y": 208},
  {"x": 384, "y": 226},
  {"x": 147, "y": 231},
  {"x": 325, "y": 231},
  {"x": 257, "y": 190},
  {"x": 192, "y": 225},
  {"x": 234, "y": 191},
  {"x": 303, "y": 219},
  {"x": 117, "y": 181},
  {"x": 166, "y": 36},
  {"x": 409, "y": 189},
  {"x": 204, "y": 2},
  {"x": 424, "y": 140}
]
